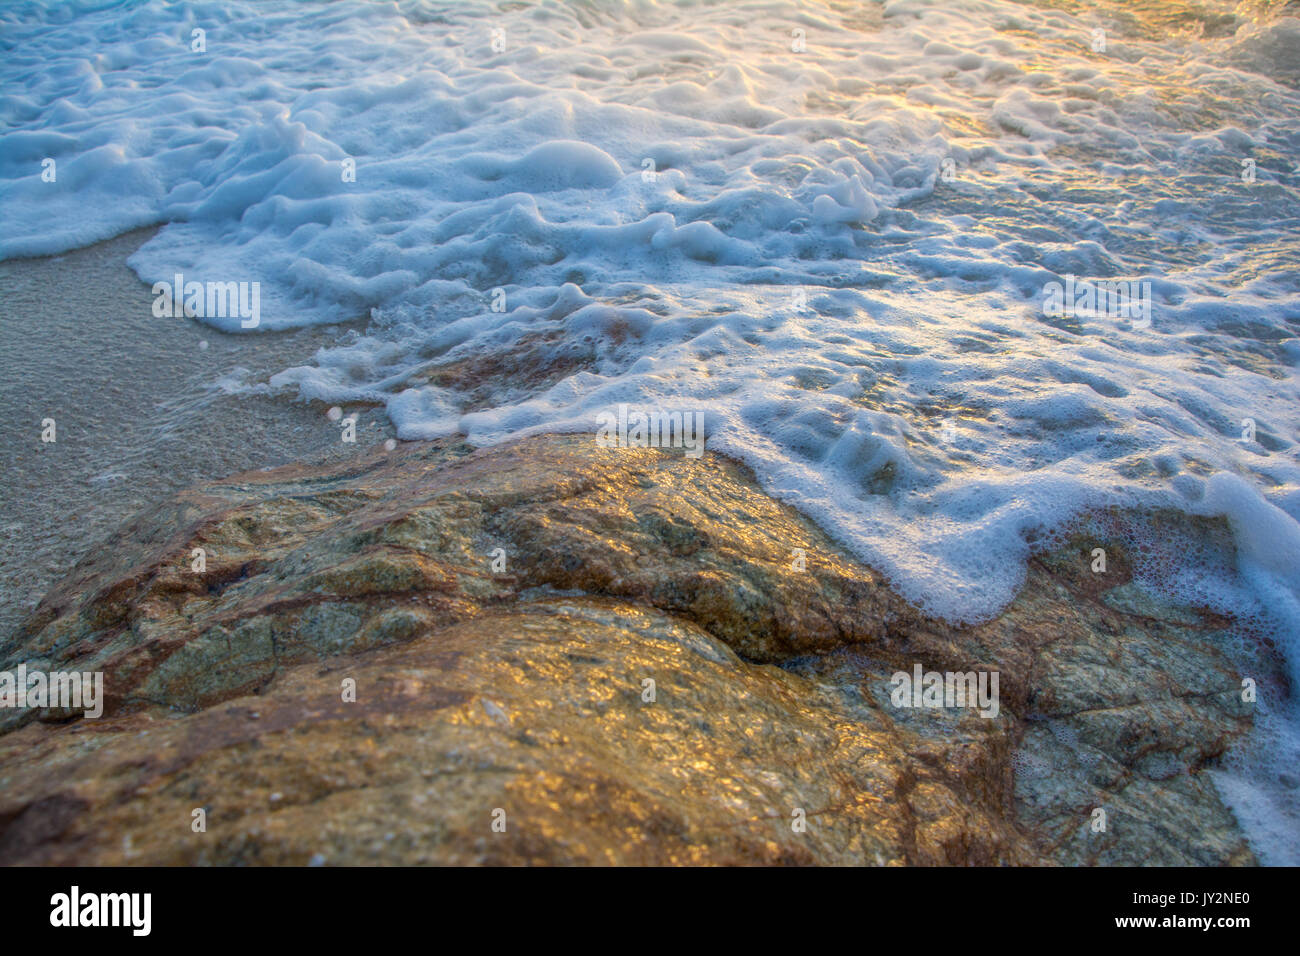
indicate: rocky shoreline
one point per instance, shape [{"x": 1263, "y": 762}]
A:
[{"x": 565, "y": 654}]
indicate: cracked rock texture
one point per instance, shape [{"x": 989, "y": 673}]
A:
[{"x": 501, "y": 614}]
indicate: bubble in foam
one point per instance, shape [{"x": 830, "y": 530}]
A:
[{"x": 1029, "y": 766}]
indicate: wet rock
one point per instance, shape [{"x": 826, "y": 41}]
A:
[{"x": 617, "y": 656}]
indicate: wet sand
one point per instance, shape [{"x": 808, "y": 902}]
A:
[{"x": 140, "y": 405}]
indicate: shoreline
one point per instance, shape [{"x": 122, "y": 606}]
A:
[
  {"x": 139, "y": 405},
  {"x": 170, "y": 428}
]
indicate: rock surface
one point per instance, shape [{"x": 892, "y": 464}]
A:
[{"x": 510, "y": 686}]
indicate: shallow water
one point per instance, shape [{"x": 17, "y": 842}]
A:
[
  {"x": 831, "y": 227},
  {"x": 141, "y": 409}
]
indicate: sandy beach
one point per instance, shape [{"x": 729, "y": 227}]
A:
[{"x": 142, "y": 407}]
